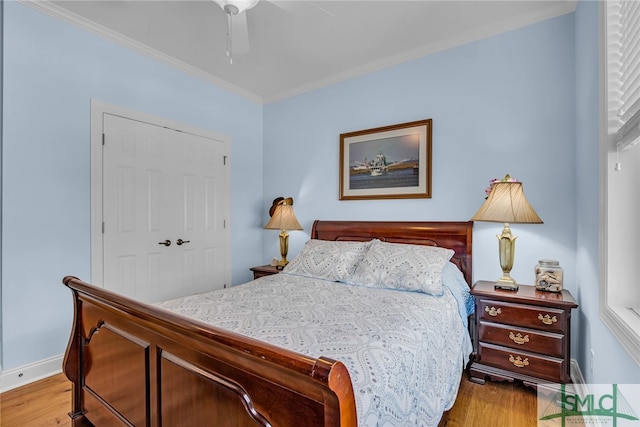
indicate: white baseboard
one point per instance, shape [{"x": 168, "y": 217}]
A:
[
  {"x": 577, "y": 378},
  {"x": 16, "y": 377},
  {"x": 575, "y": 372}
]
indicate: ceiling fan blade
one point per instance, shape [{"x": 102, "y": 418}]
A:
[{"x": 240, "y": 34}]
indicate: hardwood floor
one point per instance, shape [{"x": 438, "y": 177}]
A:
[
  {"x": 495, "y": 404},
  {"x": 43, "y": 403},
  {"x": 46, "y": 403}
]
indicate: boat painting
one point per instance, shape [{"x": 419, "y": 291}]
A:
[
  {"x": 387, "y": 162},
  {"x": 380, "y": 166}
]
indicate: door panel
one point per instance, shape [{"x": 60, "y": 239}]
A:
[{"x": 161, "y": 184}]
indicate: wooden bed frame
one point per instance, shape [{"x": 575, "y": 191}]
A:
[{"x": 134, "y": 364}]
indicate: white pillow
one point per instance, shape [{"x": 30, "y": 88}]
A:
[
  {"x": 327, "y": 259},
  {"x": 402, "y": 266}
]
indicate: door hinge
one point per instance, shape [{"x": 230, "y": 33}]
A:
[
  {"x": 224, "y": 223},
  {"x": 224, "y": 160},
  {"x": 103, "y": 138},
  {"x": 225, "y": 286},
  {"x": 102, "y": 227}
]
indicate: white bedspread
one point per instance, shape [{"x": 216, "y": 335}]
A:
[{"x": 405, "y": 351}]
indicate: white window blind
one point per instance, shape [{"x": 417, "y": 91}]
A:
[{"x": 623, "y": 57}]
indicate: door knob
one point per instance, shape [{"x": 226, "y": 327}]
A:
[
  {"x": 180, "y": 242},
  {"x": 166, "y": 243}
]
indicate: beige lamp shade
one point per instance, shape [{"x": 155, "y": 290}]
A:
[
  {"x": 283, "y": 219},
  {"x": 507, "y": 203}
]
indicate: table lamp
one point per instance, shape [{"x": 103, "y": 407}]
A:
[
  {"x": 283, "y": 218},
  {"x": 506, "y": 203}
]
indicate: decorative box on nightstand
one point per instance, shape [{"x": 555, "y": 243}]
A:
[
  {"x": 523, "y": 334},
  {"x": 264, "y": 270}
]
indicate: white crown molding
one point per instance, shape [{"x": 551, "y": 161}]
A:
[
  {"x": 55, "y": 11},
  {"x": 555, "y": 9}
]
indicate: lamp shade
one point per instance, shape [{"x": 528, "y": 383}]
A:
[
  {"x": 507, "y": 203},
  {"x": 283, "y": 218}
]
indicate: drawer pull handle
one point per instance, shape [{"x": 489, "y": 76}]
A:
[
  {"x": 547, "y": 320},
  {"x": 518, "y": 338},
  {"x": 492, "y": 311},
  {"x": 518, "y": 362}
]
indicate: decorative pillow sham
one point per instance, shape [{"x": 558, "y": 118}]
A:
[
  {"x": 328, "y": 260},
  {"x": 402, "y": 266}
]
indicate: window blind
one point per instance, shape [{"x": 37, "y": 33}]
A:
[{"x": 623, "y": 69}]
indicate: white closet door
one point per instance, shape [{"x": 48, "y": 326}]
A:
[{"x": 164, "y": 198}]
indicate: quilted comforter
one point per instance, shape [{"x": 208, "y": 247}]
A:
[{"x": 405, "y": 351}]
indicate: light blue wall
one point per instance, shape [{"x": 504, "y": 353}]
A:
[
  {"x": 51, "y": 72},
  {"x": 1, "y": 117},
  {"x": 501, "y": 105},
  {"x": 524, "y": 103},
  {"x": 611, "y": 364}
]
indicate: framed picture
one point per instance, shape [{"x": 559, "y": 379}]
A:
[{"x": 390, "y": 162}]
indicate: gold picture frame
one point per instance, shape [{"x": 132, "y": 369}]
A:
[{"x": 389, "y": 162}]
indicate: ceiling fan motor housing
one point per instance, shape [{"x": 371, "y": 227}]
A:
[{"x": 234, "y": 7}]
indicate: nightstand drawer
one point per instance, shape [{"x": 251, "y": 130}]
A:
[
  {"x": 546, "y": 343},
  {"x": 528, "y": 316},
  {"x": 535, "y": 365}
]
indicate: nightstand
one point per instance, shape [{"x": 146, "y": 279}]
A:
[
  {"x": 264, "y": 270},
  {"x": 523, "y": 334}
]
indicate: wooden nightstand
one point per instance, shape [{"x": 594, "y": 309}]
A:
[
  {"x": 264, "y": 270},
  {"x": 523, "y": 334}
]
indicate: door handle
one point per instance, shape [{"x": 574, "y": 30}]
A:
[
  {"x": 180, "y": 242},
  {"x": 166, "y": 243}
]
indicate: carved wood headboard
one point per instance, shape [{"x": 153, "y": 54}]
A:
[{"x": 456, "y": 235}]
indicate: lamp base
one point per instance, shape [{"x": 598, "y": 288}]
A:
[
  {"x": 506, "y": 282},
  {"x": 284, "y": 249}
]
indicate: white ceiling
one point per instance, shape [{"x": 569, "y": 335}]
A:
[{"x": 296, "y": 46}]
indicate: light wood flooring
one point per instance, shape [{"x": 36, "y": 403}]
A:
[
  {"x": 46, "y": 403},
  {"x": 43, "y": 403}
]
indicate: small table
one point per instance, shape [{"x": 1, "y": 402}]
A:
[
  {"x": 264, "y": 270},
  {"x": 523, "y": 334}
]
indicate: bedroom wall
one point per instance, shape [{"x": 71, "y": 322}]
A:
[
  {"x": 523, "y": 102},
  {"x": 1, "y": 105},
  {"x": 505, "y": 104},
  {"x": 51, "y": 72},
  {"x": 501, "y": 105},
  {"x": 611, "y": 364}
]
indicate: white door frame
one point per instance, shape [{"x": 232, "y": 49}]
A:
[{"x": 98, "y": 109}]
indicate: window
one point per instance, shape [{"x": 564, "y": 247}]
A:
[{"x": 620, "y": 287}]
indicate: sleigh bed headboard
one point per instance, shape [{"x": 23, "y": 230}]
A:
[{"x": 456, "y": 235}]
